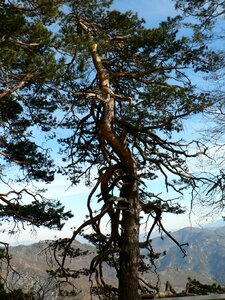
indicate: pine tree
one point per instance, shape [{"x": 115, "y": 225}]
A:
[
  {"x": 125, "y": 91},
  {"x": 119, "y": 91}
]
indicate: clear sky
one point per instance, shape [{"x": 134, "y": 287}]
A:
[
  {"x": 152, "y": 11},
  {"x": 74, "y": 198}
]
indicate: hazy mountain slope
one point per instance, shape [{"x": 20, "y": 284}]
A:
[
  {"x": 205, "y": 252},
  {"x": 205, "y": 262},
  {"x": 31, "y": 263}
]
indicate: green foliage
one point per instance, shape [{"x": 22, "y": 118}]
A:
[
  {"x": 28, "y": 65},
  {"x": 205, "y": 11},
  {"x": 17, "y": 294},
  {"x": 10, "y": 109},
  {"x": 39, "y": 213},
  {"x": 197, "y": 288},
  {"x": 107, "y": 292}
]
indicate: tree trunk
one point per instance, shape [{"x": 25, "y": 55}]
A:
[
  {"x": 129, "y": 240},
  {"x": 129, "y": 256}
]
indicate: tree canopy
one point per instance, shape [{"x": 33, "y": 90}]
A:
[
  {"x": 205, "y": 11},
  {"x": 206, "y": 18},
  {"x": 26, "y": 66},
  {"x": 118, "y": 91}
]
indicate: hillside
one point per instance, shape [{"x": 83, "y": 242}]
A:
[
  {"x": 30, "y": 263},
  {"x": 205, "y": 261},
  {"x": 205, "y": 252}
]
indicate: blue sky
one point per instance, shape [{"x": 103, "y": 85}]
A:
[
  {"x": 152, "y": 11},
  {"x": 74, "y": 198}
]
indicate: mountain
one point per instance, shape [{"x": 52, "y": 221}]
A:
[
  {"x": 28, "y": 271},
  {"x": 218, "y": 223},
  {"x": 205, "y": 261},
  {"x": 205, "y": 252}
]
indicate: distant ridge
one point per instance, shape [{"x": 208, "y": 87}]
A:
[
  {"x": 205, "y": 261},
  {"x": 205, "y": 252}
]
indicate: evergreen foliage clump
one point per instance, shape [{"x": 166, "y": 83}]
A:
[{"x": 198, "y": 288}]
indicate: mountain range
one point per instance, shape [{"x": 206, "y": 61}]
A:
[
  {"x": 205, "y": 261},
  {"x": 205, "y": 252}
]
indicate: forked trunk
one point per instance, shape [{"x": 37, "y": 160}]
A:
[{"x": 129, "y": 256}]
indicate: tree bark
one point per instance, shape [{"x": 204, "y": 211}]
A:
[{"x": 129, "y": 244}]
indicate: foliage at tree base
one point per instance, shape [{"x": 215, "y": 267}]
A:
[
  {"x": 198, "y": 288},
  {"x": 17, "y": 294}
]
